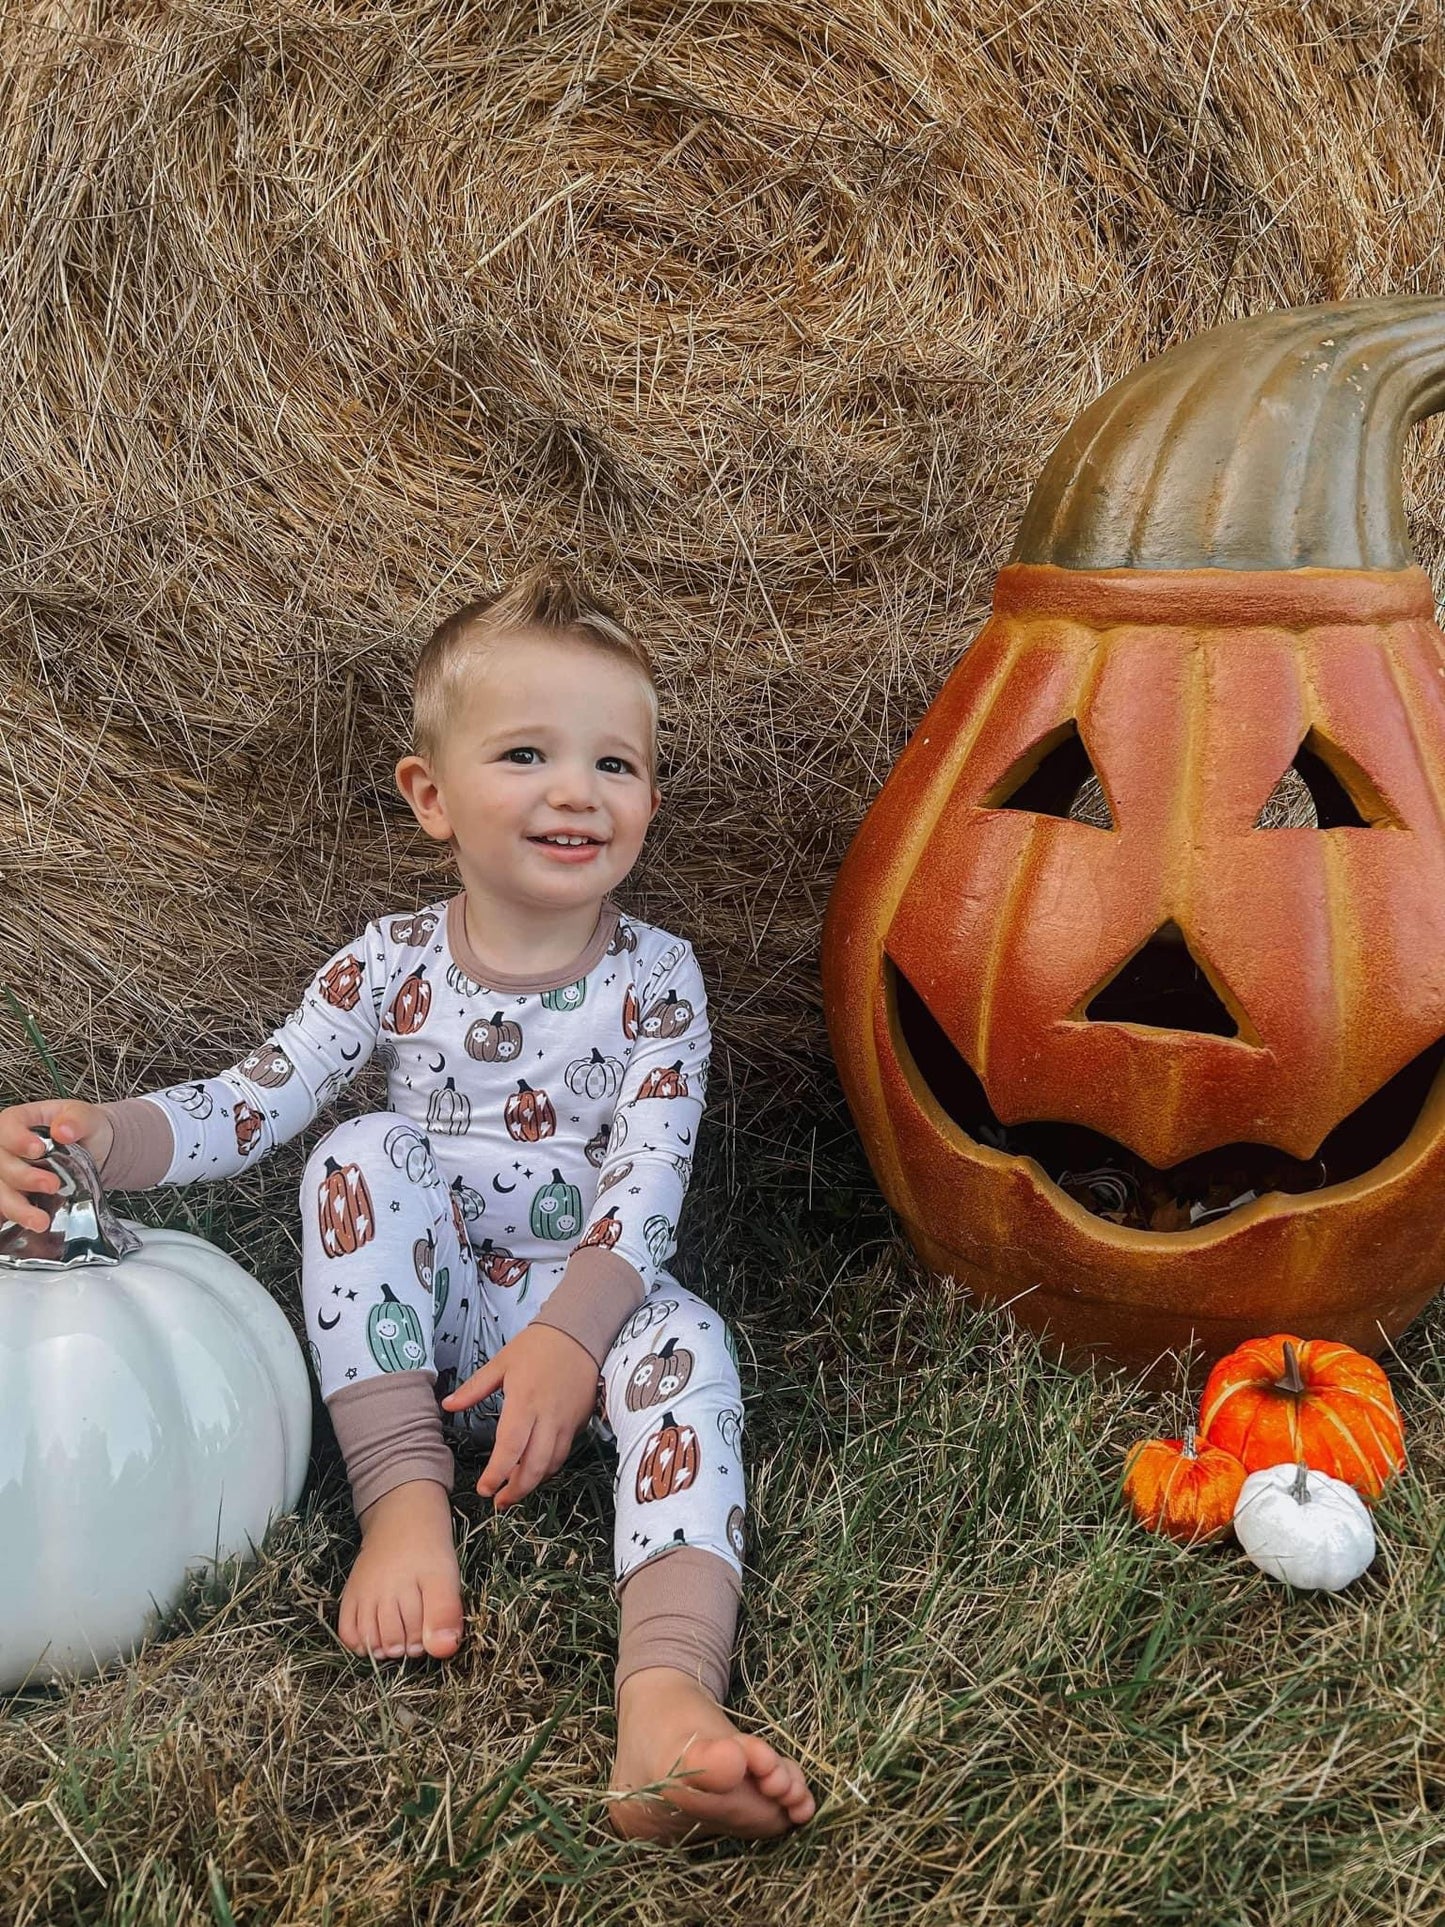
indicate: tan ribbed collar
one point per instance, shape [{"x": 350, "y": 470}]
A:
[{"x": 471, "y": 963}]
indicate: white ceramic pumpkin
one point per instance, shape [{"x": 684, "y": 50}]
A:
[
  {"x": 155, "y": 1415},
  {"x": 1304, "y": 1527}
]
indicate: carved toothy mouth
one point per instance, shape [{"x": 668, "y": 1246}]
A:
[{"x": 1114, "y": 1183}]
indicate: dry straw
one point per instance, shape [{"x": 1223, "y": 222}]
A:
[{"x": 317, "y": 320}]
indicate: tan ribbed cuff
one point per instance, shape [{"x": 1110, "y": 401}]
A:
[
  {"x": 680, "y": 1610},
  {"x": 389, "y": 1429},
  {"x": 593, "y": 1298},
  {"x": 142, "y": 1147}
]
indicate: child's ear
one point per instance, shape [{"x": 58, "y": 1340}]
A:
[{"x": 419, "y": 787}]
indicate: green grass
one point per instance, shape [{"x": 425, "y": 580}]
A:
[{"x": 1013, "y": 1705}]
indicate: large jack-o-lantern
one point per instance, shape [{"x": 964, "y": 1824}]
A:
[{"x": 1135, "y": 970}]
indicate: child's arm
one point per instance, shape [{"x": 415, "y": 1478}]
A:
[
  {"x": 224, "y": 1124},
  {"x": 632, "y": 1231},
  {"x": 548, "y": 1372}
]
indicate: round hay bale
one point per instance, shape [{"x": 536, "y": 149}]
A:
[{"x": 319, "y": 321}]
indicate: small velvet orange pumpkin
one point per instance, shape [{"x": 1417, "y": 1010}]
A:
[
  {"x": 1182, "y": 1488},
  {"x": 1285, "y": 1400}
]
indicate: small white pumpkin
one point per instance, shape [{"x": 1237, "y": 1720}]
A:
[
  {"x": 1304, "y": 1527},
  {"x": 155, "y": 1415}
]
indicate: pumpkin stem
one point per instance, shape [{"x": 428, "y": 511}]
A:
[
  {"x": 1292, "y": 1382},
  {"x": 1300, "y": 1490},
  {"x": 1268, "y": 443},
  {"x": 1191, "y": 1445}
]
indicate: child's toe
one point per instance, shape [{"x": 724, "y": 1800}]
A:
[
  {"x": 715, "y": 1766},
  {"x": 441, "y": 1618},
  {"x": 390, "y": 1629}
]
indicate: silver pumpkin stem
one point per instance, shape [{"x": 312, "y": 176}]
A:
[
  {"x": 83, "y": 1229},
  {"x": 1300, "y": 1490}
]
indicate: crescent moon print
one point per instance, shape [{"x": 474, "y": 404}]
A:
[
  {"x": 497, "y": 1185},
  {"x": 352, "y": 1055},
  {"x": 440, "y": 1064},
  {"x": 328, "y": 1324}
]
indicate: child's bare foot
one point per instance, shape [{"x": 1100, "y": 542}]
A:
[
  {"x": 404, "y": 1594},
  {"x": 668, "y": 1724}
]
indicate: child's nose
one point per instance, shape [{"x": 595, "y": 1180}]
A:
[{"x": 573, "y": 786}]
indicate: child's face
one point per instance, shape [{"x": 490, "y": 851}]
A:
[{"x": 552, "y": 738}]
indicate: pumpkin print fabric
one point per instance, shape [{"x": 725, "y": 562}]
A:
[
  {"x": 532, "y": 1104},
  {"x": 390, "y": 1283}
]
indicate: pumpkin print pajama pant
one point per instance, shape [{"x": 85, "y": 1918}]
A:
[{"x": 391, "y": 1283}]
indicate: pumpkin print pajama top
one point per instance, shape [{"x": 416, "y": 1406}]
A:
[{"x": 530, "y": 1165}]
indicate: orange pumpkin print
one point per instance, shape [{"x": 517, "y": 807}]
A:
[
  {"x": 498, "y": 1266},
  {"x": 410, "y": 1004},
  {"x": 529, "y": 1115},
  {"x": 249, "y": 1125},
  {"x": 630, "y": 1014},
  {"x": 604, "y": 1234},
  {"x": 341, "y": 983},
  {"x": 344, "y": 1205},
  {"x": 665, "y": 1081},
  {"x": 669, "y": 1461}
]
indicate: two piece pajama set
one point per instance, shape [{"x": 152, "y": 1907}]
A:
[{"x": 530, "y": 1166}]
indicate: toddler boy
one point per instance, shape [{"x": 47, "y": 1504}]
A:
[{"x": 493, "y": 1246}]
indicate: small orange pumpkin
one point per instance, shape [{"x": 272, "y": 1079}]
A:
[
  {"x": 1285, "y": 1400},
  {"x": 1182, "y": 1488}
]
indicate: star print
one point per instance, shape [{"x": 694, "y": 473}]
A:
[
  {"x": 336, "y": 1291},
  {"x": 703, "y": 1325},
  {"x": 516, "y": 1164},
  {"x": 541, "y": 1053},
  {"x": 350, "y": 1295},
  {"x": 527, "y": 1173},
  {"x": 723, "y": 1470},
  {"x": 351, "y": 1371},
  {"x": 396, "y": 1204},
  {"x": 634, "y": 1190}
]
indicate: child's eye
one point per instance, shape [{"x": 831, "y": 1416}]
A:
[
  {"x": 523, "y": 753},
  {"x": 620, "y": 762}
]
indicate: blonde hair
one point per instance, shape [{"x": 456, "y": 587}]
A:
[{"x": 548, "y": 600}]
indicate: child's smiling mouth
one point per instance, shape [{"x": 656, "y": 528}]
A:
[{"x": 568, "y": 847}]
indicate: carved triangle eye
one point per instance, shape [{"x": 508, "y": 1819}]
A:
[
  {"x": 1055, "y": 777},
  {"x": 1324, "y": 789}
]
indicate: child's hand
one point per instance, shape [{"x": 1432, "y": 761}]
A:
[
  {"x": 69, "y": 1121},
  {"x": 549, "y": 1389}
]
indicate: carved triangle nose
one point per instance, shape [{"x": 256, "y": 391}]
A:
[{"x": 1164, "y": 986}]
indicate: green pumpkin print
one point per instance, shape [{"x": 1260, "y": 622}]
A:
[
  {"x": 393, "y": 1331},
  {"x": 557, "y": 1209},
  {"x": 569, "y": 997},
  {"x": 658, "y": 1233}
]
